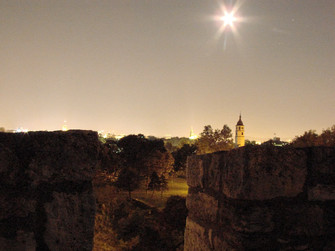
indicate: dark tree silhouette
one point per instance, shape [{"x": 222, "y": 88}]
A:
[
  {"x": 128, "y": 180},
  {"x": 144, "y": 155},
  {"x": 180, "y": 156},
  {"x": 163, "y": 184},
  {"x": 311, "y": 138},
  {"x": 155, "y": 182}
]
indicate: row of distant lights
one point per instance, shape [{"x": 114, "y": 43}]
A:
[
  {"x": 109, "y": 135},
  {"x": 21, "y": 130}
]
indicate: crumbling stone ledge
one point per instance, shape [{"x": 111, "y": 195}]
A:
[
  {"x": 46, "y": 195},
  {"x": 262, "y": 198}
]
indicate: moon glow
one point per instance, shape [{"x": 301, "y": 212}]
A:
[{"x": 228, "y": 19}]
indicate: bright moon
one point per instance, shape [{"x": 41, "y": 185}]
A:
[{"x": 228, "y": 19}]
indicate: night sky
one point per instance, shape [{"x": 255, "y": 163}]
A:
[{"x": 160, "y": 67}]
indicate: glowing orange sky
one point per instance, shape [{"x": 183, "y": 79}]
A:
[{"x": 157, "y": 67}]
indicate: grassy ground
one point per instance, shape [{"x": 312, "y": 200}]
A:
[
  {"x": 177, "y": 186},
  {"x": 106, "y": 195}
]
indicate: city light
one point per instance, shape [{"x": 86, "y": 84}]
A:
[
  {"x": 64, "y": 127},
  {"x": 21, "y": 130}
]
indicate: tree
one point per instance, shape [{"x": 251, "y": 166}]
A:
[
  {"x": 159, "y": 162},
  {"x": 110, "y": 160},
  {"x": 249, "y": 142},
  {"x": 213, "y": 141},
  {"x": 128, "y": 180},
  {"x": 163, "y": 184},
  {"x": 154, "y": 184},
  {"x": 144, "y": 155},
  {"x": 327, "y": 137},
  {"x": 180, "y": 156},
  {"x": 174, "y": 143},
  {"x": 309, "y": 138},
  {"x": 157, "y": 183}
]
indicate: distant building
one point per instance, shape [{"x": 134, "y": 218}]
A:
[
  {"x": 239, "y": 133},
  {"x": 275, "y": 142}
]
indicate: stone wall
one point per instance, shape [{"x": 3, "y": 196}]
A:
[
  {"x": 261, "y": 198},
  {"x": 46, "y": 197}
]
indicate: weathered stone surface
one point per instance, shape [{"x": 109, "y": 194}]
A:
[
  {"x": 330, "y": 246},
  {"x": 202, "y": 206},
  {"x": 323, "y": 160},
  {"x": 248, "y": 218},
  {"x": 16, "y": 206},
  {"x": 204, "y": 171},
  {"x": 231, "y": 240},
  {"x": 46, "y": 195},
  {"x": 8, "y": 167},
  {"x": 63, "y": 230},
  {"x": 212, "y": 170},
  {"x": 195, "y": 172},
  {"x": 222, "y": 244},
  {"x": 261, "y": 173},
  {"x": 195, "y": 237},
  {"x": 322, "y": 192},
  {"x": 302, "y": 220},
  {"x": 23, "y": 241},
  {"x": 262, "y": 198}
]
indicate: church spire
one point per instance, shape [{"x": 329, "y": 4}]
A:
[
  {"x": 239, "y": 122},
  {"x": 239, "y": 133}
]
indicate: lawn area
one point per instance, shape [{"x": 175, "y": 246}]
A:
[
  {"x": 177, "y": 186},
  {"x": 110, "y": 200}
]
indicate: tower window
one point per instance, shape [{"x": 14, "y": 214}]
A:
[{"x": 242, "y": 133}]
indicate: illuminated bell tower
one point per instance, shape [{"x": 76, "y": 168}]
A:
[{"x": 239, "y": 133}]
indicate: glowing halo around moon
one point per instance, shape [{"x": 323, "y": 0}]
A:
[{"x": 228, "y": 20}]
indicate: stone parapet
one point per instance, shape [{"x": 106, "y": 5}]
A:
[
  {"x": 262, "y": 198},
  {"x": 46, "y": 195}
]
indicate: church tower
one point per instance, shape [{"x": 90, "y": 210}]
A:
[{"x": 239, "y": 133}]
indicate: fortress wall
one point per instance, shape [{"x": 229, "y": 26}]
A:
[
  {"x": 46, "y": 196},
  {"x": 261, "y": 198}
]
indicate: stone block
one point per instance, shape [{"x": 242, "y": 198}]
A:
[
  {"x": 62, "y": 156},
  {"x": 231, "y": 240},
  {"x": 321, "y": 192},
  {"x": 202, "y": 206},
  {"x": 253, "y": 219},
  {"x": 195, "y": 170},
  {"x": 9, "y": 167},
  {"x": 323, "y": 160},
  {"x": 70, "y": 221},
  {"x": 245, "y": 217},
  {"x": 23, "y": 241},
  {"x": 264, "y": 172},
  {"x": 46, "y": 196},
  {"x": 223, "y": 244},
  {"x": 330, "y": 246},
  {"x": 301, "y": 220},
  {"x": 212, "y": 170},
  {"x": 16, "y": 206},
  {"x": 195, "y": 237}
]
